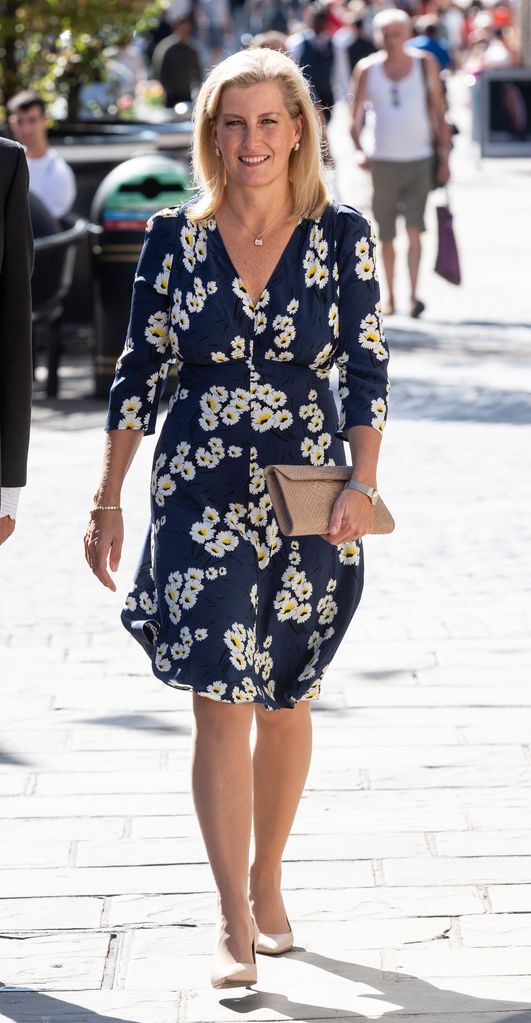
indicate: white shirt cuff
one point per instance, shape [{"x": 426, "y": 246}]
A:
[{"x": 9, "y": 500}]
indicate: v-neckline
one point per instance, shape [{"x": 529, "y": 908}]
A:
[{"x": 256, "y": 305}]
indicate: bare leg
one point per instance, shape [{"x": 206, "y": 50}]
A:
[
  {"x": 281, "y": 761},
  {"x": 413, "y": 260},
  {"x": 388, "y": 256},
  {"x": 222, "y": 790}
]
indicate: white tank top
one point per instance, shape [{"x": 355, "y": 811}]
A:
[{"x": 401, "y": 123}]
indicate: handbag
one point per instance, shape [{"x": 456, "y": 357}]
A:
[
  {"x": 447, "y": 260},
  {"x": 303, "y": 497}
]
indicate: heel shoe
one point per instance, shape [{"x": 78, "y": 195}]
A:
[
  {"x": 274, "y": 944},
  {"x": 238, "y": 974}
]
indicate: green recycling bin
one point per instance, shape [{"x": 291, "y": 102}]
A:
[{"x": 124, "y": 201}]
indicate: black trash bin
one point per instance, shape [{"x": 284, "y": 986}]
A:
[{"x": 124, "y": 201}]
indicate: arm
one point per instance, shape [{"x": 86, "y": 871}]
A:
[
  {"x": 15, "y": 336},
  {"x": 359, "y": 91},
  {"x": 141, "y": 371},
  {"x": 437, "y": 111},
  {"x": 361, "y": 357},
  {"x": 341, "y": 69},
  {"x": 105, "y": 531}
]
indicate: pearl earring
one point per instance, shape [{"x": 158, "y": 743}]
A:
[
  {"x": 218, "y": 153},
  {"x": 297, "y": 146}
]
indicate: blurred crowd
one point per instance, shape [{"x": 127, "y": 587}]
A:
[{"x": 328, "y": 38}]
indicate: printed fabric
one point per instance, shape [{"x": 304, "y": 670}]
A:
[{"x": 223, "y": 603}]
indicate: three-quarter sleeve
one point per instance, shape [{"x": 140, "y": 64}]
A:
[
  {"x": 151, "y": 345},
  {"x": 362, "y": 354}
]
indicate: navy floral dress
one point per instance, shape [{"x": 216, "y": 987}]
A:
[{"x": 223, "y": 603}]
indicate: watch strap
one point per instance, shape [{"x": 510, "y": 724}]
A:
[{"x": 363, "y": 489}]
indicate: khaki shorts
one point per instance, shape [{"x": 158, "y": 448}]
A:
[{"x": 400, "y": 188}]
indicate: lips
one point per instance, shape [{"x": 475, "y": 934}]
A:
[{"x": 253, "y": 161}]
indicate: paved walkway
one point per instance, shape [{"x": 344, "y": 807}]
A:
[{"x": 408, "y": 876}]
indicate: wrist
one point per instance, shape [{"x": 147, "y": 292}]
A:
[
  {"x": 363, "y": 488},
  {"x": 106, "y": 497},
  {"x": 368, "y": 479}
]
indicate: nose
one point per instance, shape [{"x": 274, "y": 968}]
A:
[{"x": 250, "y": 136}]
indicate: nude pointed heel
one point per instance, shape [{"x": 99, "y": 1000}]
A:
[
  {"x": 239, "y": 974},
  {"x": 274, "y": 944}
]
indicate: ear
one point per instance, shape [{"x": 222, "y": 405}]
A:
[
  {"x": 214, "y": 133},
  {"x": 297, "y": 127}
]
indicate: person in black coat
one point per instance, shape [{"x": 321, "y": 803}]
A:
[{"x": 16, "y": 262}]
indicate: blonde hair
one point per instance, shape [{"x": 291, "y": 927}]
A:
[{"x": 306, "y": 171}]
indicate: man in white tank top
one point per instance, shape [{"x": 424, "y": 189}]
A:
[{"x": 401, "y": 88}]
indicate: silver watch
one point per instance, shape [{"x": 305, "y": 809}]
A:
[{"x": 370, "y": 492}]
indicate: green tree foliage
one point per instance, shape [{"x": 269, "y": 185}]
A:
[{"x": 56, "y": 46}]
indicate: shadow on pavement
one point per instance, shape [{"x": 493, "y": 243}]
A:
[
  {"x": 477, "y": 340},
  {"x": 27, "y": 1006},
  {"x": 12, "y": 760},
  {"x": 407, "y": 994},
  {"x": 432, "y": 400},
  {"x": 138, "y": 722}
]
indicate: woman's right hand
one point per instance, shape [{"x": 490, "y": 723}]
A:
[{"x": 103, "y": 541}]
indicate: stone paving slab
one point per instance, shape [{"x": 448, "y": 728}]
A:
[
  {"x": 44, "y": 912},
  {"x": 510, "y": 898},
  {"x": 300, "y": 847},
  {"x": 326, "y": 906},
  {"x": 64, "y": 961}
]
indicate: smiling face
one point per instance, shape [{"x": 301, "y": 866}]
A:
[{"x": 255, "y": 134}]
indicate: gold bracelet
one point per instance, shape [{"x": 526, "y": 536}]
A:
[{"x": 106, "y": 507}]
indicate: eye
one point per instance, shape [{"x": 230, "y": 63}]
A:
[
  {"x": 269, "y": 120},
  {"x": 231, "y": 124}
]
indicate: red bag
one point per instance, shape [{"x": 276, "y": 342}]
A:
[{"x": 447, "y": 261}]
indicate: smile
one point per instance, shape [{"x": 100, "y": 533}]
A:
[{"x": 250, "y": 160}]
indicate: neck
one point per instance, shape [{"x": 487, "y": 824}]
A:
[
  {"x": 256, "y": 207},
  {"x": 396, "y": 57},
  {"x": 36, "y": 150}
]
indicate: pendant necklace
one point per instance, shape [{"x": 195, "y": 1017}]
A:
[{"x": 258, "y": 238}]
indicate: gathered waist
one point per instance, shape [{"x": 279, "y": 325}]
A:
[{"x": 238, "y": 373}]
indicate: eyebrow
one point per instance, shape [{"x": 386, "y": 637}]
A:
[{"x": 267, "y": 113}]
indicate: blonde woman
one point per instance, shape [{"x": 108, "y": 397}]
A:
[{"x": 254, "y": 288}]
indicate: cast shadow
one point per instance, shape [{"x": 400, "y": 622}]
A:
[
  {"x": 139, "y": 722},
  {"x": 404, "y": 993},
  {"x": 22, "y": 1005}
]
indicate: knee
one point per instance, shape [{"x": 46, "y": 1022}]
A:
[{"x": 281, "y": 722}]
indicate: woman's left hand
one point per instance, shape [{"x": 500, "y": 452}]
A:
[{"x": 351, "y": 518}]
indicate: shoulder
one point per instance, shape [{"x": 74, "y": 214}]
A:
[
  {"x": 347, "y": 223},
  {"x": 372, "y": 60},
  {"x": 58, "y": 163},
  {"x": 11, "y": 154},
  {"x": 363, "y": 69},
  {"x": 10, "y": 147},
  {"x": 13, "y": 167},
  {"x": 170, "y": 218},
  {"x": 342, "y": 38},
  {"x": 423, "y": 56}
]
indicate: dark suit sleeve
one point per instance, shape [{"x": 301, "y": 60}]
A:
[{"x": 15, "y": 329}]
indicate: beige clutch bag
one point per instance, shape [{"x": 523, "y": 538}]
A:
[{"x": 303, "y": 497}]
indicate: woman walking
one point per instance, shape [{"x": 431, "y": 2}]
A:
[{"x": 254, "y": 288}]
